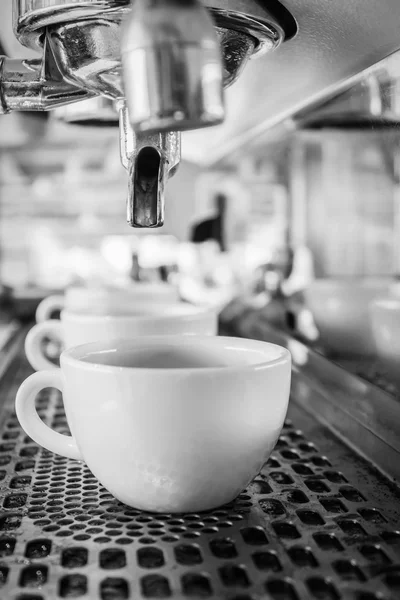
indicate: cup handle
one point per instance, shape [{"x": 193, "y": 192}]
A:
[
  {"x": 48, "y": 306},
  {"x": 33, "y": 343},
  {"x": 30, "y": 421}
]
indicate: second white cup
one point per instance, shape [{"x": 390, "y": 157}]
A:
[
  {"x": 111, "y": 299},
  {"x": 75, "y": 329}
]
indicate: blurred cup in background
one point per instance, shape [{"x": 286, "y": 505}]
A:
[
  {"x": 385, "y": 321},
  {"x": 340, "y": 307},
  {"x": 102, "y": 299},
  {"x": 75, "y": 329}
]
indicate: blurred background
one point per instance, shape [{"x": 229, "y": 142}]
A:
[{"x": 288, "y": 211}]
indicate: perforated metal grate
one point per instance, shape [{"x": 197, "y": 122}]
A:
[{"x": 317, "y": 523}]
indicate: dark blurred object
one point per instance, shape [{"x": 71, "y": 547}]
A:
[
  {"x": 24, "y": 302},
  {"x": 5, "y": 296},
  {"x": 163, "y": 270},
  {"x": 167, "y": 272},
  {"x": 283, "y": 261},
  {"x": 35, "y": 123},
  {"x": 232, "y": 314},
  {"x": 369, "y": 103},
  {"x": 6, "y": 304},
  {"x": 212, "y": 229},
  {"x": 275, "y": 312},
  {"x": 135, "y": 268}
]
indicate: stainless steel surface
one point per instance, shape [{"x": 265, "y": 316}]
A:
[
  {"x": 241, "y": 48},
  {"x": 96, "y": 111},
  {"x": 372, "y": 370},
  {"x": 318, "y": 522},
  {"x": 173, "y": 76},
  {"x": 32, "y": 17},
  {"x": 150, "y": 159},
  {"x": 26, "y": 85},
  {"x": 373, "y": 102},
  {"x": 91, "y": 28},
  {"x": 88, "y": 54},
  {"x": 336, "y": 43}
]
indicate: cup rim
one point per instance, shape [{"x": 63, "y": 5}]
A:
[
  {"x": 74, "y": 356},
  {"x": 387, "y": 303},
  {"x": 132, "y": 289},
  {"x": 151, "y": 313}
]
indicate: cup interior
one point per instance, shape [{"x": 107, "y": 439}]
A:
[
  {"x": 179, "y": 352},
  {"x": 142, "y": 312}
]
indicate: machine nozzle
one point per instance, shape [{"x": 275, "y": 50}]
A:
[
  {"x": 172, "y": 66},
  {"x": 150, "y": 159}
]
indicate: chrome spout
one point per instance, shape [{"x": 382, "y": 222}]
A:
[
  {"x": 172, "y": 66},
  {"x": 150, "y": 159},
  {"x": 146, "y": 189}
]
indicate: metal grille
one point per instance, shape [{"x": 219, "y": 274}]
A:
[{"x": 317, "y": 523}]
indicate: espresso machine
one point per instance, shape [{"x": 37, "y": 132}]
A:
[
  {"x": 321, "y": 519},
  {"x": 160, "y": 66}
]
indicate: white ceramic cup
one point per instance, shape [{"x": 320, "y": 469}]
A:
[
  {"x": 106, "y": 299},
  {"x": 167, "y": 424},
  {"x": 340, "y": 307},
  {"x": 75, "y": 329},
  {"x": 385, "y": 321}
]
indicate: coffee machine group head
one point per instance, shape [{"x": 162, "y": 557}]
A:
[{"x": 163, "y": 64}]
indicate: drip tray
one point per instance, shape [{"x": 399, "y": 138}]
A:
[{"x": 318, "y": 522}]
